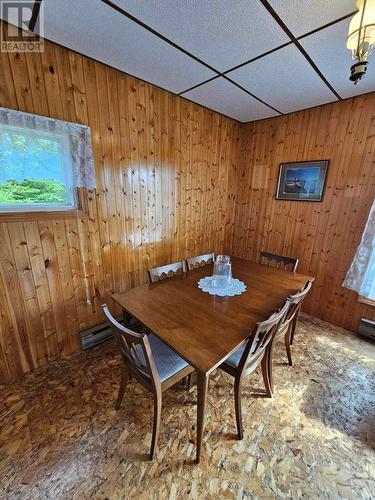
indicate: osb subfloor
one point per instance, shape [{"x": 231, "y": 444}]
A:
[{"x": 62, "y": 438}]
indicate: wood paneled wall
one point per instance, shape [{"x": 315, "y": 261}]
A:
[
  {"x": 324, "y": 236},
  {"x": 173, "y": 180},
  {"x": 163, "y": 169}
]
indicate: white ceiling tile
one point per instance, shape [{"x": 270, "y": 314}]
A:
[
  {"x": 223, "y": 33},
  {"x": 285, "y": 80},
  {"x": 328, "y": 50},
  {"x": 303, "y": 16},
  {"x": 96, "y": 30},
  {"x": 224, "y": 97},
  {"x": 223, "y": 37}
]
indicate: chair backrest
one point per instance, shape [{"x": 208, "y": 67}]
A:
[
  {"x": 261, "y": 337},
  {"x": 135, "y": 351},
  {"x": 165, "y": 272},
  {"x": 295, "y": 302},
  {"x": 274, "y": 260},
  {"x": 200, "y": 261}
]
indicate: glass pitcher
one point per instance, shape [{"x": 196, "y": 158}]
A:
[{"x": 222, "y": 275}]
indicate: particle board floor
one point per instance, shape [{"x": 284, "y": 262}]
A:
[{"x": 62, "y": 438}]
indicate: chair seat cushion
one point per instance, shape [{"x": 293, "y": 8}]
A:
[
  {"x": 235, "y": 358},
  {"x": 167, "y": 362}
]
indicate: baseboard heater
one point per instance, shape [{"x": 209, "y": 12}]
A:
[
  {"x": 367, "y": 328},
  {"x": 95, "y": 336},
  {"x": 98, "y": 334}
]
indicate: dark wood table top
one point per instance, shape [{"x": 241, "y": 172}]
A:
[{"x": 202, "y": 328}]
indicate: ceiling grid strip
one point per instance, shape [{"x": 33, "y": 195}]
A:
[
  {"x": 178, "y": 47},
  {"x": 293, "y": 40},
  {"x": 299, "y": 46}
]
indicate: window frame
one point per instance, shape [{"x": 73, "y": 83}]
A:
[
  {"x": 63, "y": 140},
  {"x": 365, "y": 300}
]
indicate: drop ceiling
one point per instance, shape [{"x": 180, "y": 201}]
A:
[{"x": 246, "y": 59}]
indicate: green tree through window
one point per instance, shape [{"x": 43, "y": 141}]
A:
[
  {"x": 32, "y": 168},
  {"x": 32, "y": 191}
]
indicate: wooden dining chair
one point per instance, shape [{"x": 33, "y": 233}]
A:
[
  {"x": 200, "y": 261},
  {"x": 274, "y": 260},
  {"x": 286, "y": 328},
  {"x": 151, "y": 362},
  {"x": 246, "y": 359},
  {"x": 165, "y": 272}
]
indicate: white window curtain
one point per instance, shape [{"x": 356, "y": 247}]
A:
[
  {"x": 361, "y": 274},
  {"x": 80, "y": 141}
]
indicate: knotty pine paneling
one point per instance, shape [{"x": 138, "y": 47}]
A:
[
  {"x": 164, "y": 182},
  {"x": 324, "y": 236},
  {"x": 173, "y": 180}
]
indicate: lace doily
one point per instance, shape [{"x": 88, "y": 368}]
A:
[{"x": 236, "y": 287}]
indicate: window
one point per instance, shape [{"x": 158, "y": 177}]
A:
[
  {"x": 35, "y": 170},
  {"x": 371, "y": 295},
  {"x": 42, "y": 163},
  {"x": 361, "y": 274},
  {"x": 367, "y": 292}
]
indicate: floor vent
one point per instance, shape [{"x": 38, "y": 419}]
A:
[{"x": 367, "y": 328}]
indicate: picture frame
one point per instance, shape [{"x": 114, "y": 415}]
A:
[{"x": 302, "y": 181}]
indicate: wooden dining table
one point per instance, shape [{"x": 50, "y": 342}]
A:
[{"x": 206, "y": 329}]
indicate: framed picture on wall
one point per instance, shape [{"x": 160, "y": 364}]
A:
[{"x": 302, "y": 181}]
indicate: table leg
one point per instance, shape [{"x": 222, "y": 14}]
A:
[
  {"x": 126, "y": 318},
  {"x": 201, "y": 413}
]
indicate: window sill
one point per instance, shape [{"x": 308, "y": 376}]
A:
[
  {"x": 42, "y": 215},
  {"x": 365, "y": 300}
]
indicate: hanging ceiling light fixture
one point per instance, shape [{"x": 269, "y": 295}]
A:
[{"x": 361, "y": 38}]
